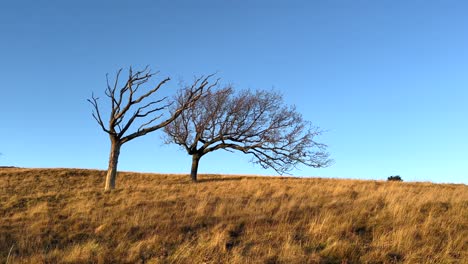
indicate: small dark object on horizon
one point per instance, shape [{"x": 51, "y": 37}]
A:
[{"x": 394, "y": 178}]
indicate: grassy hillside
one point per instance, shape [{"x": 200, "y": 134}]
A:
[{"x": 63, "y": 216}]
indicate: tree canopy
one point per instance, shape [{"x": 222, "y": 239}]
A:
[
  {"x": 257, "y": 123},
  {"x": 135, "y": 100}
]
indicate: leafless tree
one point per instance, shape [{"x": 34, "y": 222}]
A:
[
  {"x": 256, "y": 123},
  {"x": 143, "y": 111}
]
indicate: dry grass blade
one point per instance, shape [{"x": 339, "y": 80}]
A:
[{"x": 63, "y": 216}]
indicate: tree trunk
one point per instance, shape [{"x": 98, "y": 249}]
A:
[
  {"x": 112, "y": 169},
  {"x": 194, "y": 171}
]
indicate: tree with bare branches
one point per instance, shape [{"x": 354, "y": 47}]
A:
[
  {"x": 143, "y": 111},
  {"x": 253, "y": 122}
]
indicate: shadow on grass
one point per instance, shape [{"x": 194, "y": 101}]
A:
[{"x": 220, "y": 179}]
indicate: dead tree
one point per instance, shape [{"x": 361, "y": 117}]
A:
[
  {"x": 256, "y": 123},
  {"x": 143, "y": 111}
]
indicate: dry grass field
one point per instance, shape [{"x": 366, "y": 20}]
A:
[{"x": 63, "y": 216}]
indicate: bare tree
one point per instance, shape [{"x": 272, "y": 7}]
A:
[
  {"x": 256, "y": 123},
  {"x": 143, "y": 111}
]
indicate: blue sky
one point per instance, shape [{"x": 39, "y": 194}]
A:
[{"x": 388, "y": 80}]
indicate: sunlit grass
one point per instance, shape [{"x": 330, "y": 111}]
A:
[{"x": 63, "y": 216}]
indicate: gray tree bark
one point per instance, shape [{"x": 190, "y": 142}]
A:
[{"x": 112, "y": 169}]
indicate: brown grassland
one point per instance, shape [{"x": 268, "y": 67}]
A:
[{"x": 63, "y": 216}]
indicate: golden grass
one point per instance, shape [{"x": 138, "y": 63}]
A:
[{"x": 63, "y": 216}]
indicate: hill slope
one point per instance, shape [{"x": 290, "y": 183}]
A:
[{"x": 63, "y": 216}]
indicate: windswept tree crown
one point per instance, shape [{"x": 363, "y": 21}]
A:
[{"x": 253, "y": 122}]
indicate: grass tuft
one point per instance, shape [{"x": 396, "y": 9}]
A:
[{"x": 63, "y": 216}]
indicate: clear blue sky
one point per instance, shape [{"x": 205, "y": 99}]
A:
[{"x": 387, "y": 79}]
